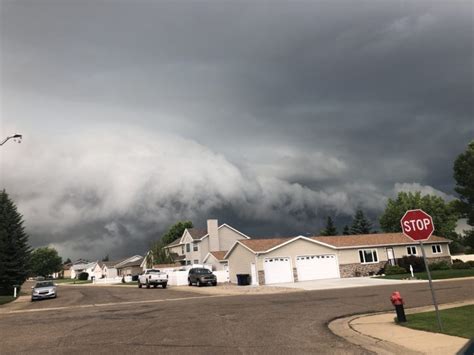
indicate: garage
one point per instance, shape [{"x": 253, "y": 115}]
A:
[
  {"x": 277, "y": 270},
  {"x": 315, "y": 267}
]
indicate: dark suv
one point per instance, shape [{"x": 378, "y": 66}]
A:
[{"x": 201, "y": 276}]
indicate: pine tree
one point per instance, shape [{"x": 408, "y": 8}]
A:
[
  {"x": 330, "y": 228},
  {"x": 346, "y": 230},
  {"x": 14, "y": 248},
  {"x": 360, "y": 224}
]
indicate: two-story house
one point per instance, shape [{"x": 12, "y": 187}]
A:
[{"x": 199, "y": 246}]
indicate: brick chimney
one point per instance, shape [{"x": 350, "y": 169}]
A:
[{"x": 212, "y": 226}]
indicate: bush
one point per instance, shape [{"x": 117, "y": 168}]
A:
[
  {"x": 394, "y": 270},
  {"x": 461, "y": 266},
  {"x": 83, "y": 276},
  {"x": 415, "y": 261},
  {"x": 441, "y": 265},
  {"x": 471, "y": 263},
  {"x": 457, "y": 261},
  {"x": 134, "y": 277}
]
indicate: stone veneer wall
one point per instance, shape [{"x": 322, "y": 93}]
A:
[
  {"x": 295, "y": 274},
  {"x": 261, "y": 277},
  {"x": 358, "y": 269}
]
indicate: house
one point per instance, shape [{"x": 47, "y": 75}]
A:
[
  {"x": 196, "y": 244},
  {"x": 300, "y": 258},
  {"x": 130, "y": 266},
  {"x": 83, "y": 266}
]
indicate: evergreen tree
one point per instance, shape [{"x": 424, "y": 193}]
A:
[
  {"x": 330, "y": 228},
  {"x": 68, "y": 261},
  {"x": 346, "y": 230},
  {"x": 14, "y": 248},
  {"x": 360, "y": 224},
  {"x": 106, "y": 258}
]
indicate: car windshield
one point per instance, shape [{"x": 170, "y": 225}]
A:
[
  {"x": 44, "y": 284},
  {"x": 154, "y": 271},
  {"x": 203, "y": 271}
]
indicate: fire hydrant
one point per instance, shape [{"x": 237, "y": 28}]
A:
[{"x": 397, "y": 301}]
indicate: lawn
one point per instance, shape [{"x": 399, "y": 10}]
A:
[
  {"x": 71, "y": 281},
  {"x": 456, "y": 321},
  {"x": 435, "y": 274}
]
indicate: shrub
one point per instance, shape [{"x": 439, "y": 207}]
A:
[
  {"x": 415, "y": 261},
  {"x": 83, "y": 276},
  {"x": 441, "y": 265},
  {"x": 394, "y": 270},
  {"x": 457, "y": 261},
  {"x": 471, "y": 263},
  {"x": 461, "y": 266}
]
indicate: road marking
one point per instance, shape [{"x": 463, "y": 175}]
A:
[{"x": 112, "y": 304}]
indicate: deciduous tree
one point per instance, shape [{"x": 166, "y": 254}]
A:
[{"x": 45, "y": 261}]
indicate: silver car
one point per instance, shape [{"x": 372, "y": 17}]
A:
[{"x": 43, "y": 289}]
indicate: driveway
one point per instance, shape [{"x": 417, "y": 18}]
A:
[{"x": 350, "y": 282}]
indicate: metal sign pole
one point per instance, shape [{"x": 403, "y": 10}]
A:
[{"x": 431, "y": 287}]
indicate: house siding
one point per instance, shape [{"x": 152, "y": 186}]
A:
[
  {"x": 227, "y": 238},
  {"x": 239, "y": 262}
]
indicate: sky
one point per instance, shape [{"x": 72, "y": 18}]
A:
[{"x": 269, "y": 116}]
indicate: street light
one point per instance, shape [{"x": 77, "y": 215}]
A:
[{"x": 16, "y": 138}]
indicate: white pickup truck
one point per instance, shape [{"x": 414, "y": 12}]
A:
[{"x": 152, "y": 277}]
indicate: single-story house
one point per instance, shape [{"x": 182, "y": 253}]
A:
[
  {"x": 130, "y": 266},
  {"x": 300, "y": 258},
  {"x": 216, "y": 259}
]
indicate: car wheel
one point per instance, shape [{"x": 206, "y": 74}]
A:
[
  {"x": 32, "y": 300},
  {"x": 147, "y": 285},
  {"x": 164, "y": 285},
  {"x": 198, "y": 283},
  {"x": 155, "y": 285},
  {"x": 139, "y": 285},
  {"x": 214, "y": 283},
  {"x": 189, "y": 282}
]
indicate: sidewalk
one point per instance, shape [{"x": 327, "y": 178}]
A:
[{"x": 379, "y": 333}]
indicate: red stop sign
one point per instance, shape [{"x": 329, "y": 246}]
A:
[{"x": 417, "y": 225}]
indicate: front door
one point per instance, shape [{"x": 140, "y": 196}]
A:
[{"x": 390, "y": 256}]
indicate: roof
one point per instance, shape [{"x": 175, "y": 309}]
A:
[
  {"x": 136, "y": 262},
  {"x": 219, "y": 255},
  {"x": 338, "y": 242},
  {"x": 197, "y": 233},
  {"x": 174, "y": 243},
  {"x": 177, "y": 257}
]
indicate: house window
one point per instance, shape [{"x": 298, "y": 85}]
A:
[
  {"x": 195, "y": 247},
  {"x": 411, "y": 250},
  {"x": 188, "y": 248},
  {"x": 188, "y": 262},
  {"x": 196, "y": 261},
  {"x": 436, "y": 249},
  {"x": 368, "y": 256}
]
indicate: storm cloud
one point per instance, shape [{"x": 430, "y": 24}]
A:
[{"x": 268, "y": 116}]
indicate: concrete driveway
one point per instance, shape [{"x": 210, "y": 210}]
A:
[{"x": 330, "y": 284}]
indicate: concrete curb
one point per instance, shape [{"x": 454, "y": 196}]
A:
[{"x": 346, "y": 328}]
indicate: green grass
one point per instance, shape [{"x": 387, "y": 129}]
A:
[
  {"x": 435, "y": 275},
  {"x": 6, "y": 299},
  {"x": 456, "y": 321},
  {"x": 71, "y": 281}
]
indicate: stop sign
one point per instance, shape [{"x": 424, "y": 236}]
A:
[{"x": 417, "y": 225}]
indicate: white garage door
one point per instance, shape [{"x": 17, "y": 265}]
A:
[
  {"x": 277, "y": 270},
  {"x": 314, "y": 267}
]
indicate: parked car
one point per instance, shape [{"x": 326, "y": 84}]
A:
[
  {"x": 43, "y": 289},
  {"x": 152, "y": 277},
  {"x": 201, "y": 276}
]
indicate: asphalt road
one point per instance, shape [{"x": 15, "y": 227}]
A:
[{"x": 105, "y": 320}]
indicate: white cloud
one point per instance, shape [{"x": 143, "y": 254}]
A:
[{"x": 423, "y": 189}]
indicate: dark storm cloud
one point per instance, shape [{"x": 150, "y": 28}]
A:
[{"x": 310, "y": 109}]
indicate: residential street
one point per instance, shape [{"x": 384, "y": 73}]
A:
[{"x": 131, "y": 320}]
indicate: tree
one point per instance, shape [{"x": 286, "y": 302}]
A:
[
  {"x": 330, "y": 229},
  {"x": 346, "y": 230},
  {"x": 160, "y": 254},
  {"x": 45, "y": 261},
  {"x": 14, "y": 248},
  {"x": 360, "y": 224},
  {"x": 68, "y": 261},
  {"x": 464, "y": 176},
  {"x": 444, "y": 214},
  {"x": 106, "y": 258}
]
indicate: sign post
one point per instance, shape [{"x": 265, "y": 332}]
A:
[{"x": 418, "y": 226}]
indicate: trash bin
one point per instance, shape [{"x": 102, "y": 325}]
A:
[{"x": 243, "y": 279}]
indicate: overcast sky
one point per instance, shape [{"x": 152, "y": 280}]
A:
[{"x": 266, "y": 115}]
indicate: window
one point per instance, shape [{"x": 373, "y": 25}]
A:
[
  {"x": 436, "y": 249},
  {"x": 195, "y": 246},
  {"x": 368, "y": 256},
  {"x": 188, "y": 248},
  {"x": 196, "y": 261},
  {"x": 188, "y": 262},
  {"x": 411, "y": 250}
]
